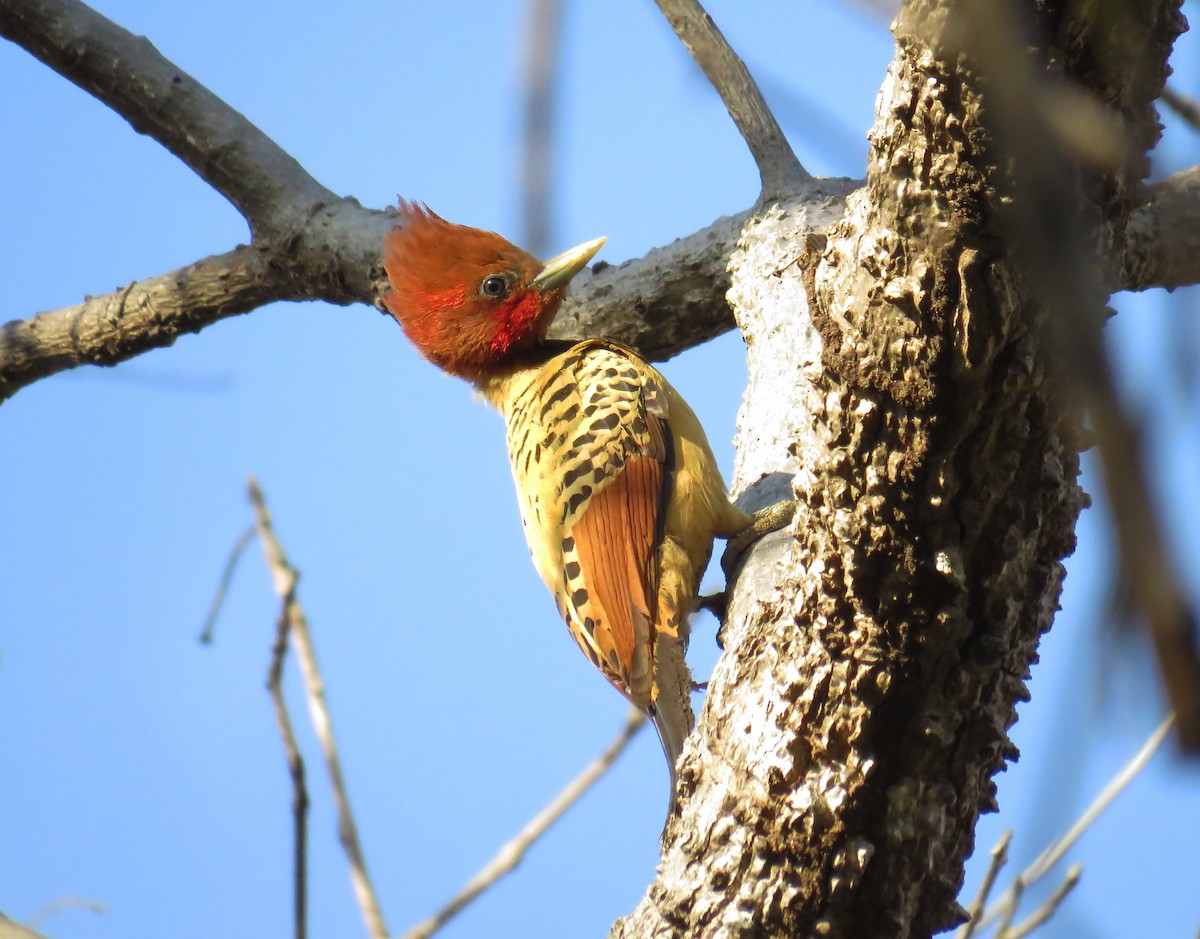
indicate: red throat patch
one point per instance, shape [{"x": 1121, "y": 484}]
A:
[{"x": 517, "y": 320}]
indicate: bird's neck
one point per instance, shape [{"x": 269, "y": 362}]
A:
[{"x": 503, "y": 385}]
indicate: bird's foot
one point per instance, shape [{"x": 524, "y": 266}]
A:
[
  {"x": 714, "y": 603},
  {"x": 764, "y": 521}
]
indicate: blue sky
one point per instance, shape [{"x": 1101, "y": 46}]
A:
[{"x": 143, "y": 771}]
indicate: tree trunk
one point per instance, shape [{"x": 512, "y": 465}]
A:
[{"x": 899, "y": 377}]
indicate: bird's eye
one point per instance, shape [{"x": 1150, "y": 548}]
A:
[{"x": 495, "y": 286}]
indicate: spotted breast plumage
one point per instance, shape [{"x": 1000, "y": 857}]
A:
[{"x": 621, "y": 497}]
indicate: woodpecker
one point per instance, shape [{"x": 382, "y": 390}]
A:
[{"x": 619, "y": 492}]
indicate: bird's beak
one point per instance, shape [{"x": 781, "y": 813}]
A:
[{"x": 560, "y": 269}]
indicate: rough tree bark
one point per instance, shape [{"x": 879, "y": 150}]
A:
[
  {"x": 860, "y": 710},
  {"x": 898, "y": 386}
]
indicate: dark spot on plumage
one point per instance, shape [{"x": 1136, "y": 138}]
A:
[
  {"x": 568, "y": 544},
  {"x": 613, "y": 660},
  {"x": 583, "y": 440},
  {"x": 537, "y": 451},
  {"x": 627, "y": 387},
  {"x": 573, "y": 474},
  {"x": 572, "y": 569},
  {"x": 638, "y": 426},
  {"x": 591, "y": 654},
  {"x": 607, "y": 422},
  {"x": 600, "y": 474},
  {"x": 579, "y": 598},
  {"x": 570, "y": 413},
  {"x": 560, "y": 394},
  {"x": 610, "y": 372},
  {"x": 590, "y": 625},
  {"x": 578, "y": 499},
  {"x": 590, "y": 409}
]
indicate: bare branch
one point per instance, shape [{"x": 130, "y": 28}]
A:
[
  {"x": 159, "y": 99},
  {"x": 1016, "y": 894},
  {"x": 673, "y": 298},
  {"x": 995, "y": 865},
  {"x": 661, "y": 304},
  {"x": 214, "y": 610},
  {"x": 1043, "y": 913},
  {"x": 778, "y": 166},
  {"x": 59, "y": 904},
  {"x": 1163, "y": 238},
  {"x": 1146, "y": 557},
  {"x": 284, "y": 577},
  {"x": 512, "y": 853},
  {"x": 1186, "y": 107},
  {"x": 1054, "y": 852},
  {"x": 295, "y": 763},
  {"x": 145, "y": 315},
  {"x": 537, "y": 165}
]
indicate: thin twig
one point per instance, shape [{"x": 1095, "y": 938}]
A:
[
  {"x": 995, "y": 865},
  {"x": 511, "y": 853},
  {"x": 537, "y": 165},
  {"x": 1184, "y": 106},
  {"x": 1016, "y": 892},
  {"x": 295, "y": 764},
  {"x": 59, "y": 904},
  {"x": 218, "y": 600},
  {"x": 1047, "y": 909},
  {"x": 284, "y": 576},
  {"x": 778, "y": 166},
  {"x": 1054, "y": 852}
]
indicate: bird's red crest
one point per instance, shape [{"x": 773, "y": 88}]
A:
[{"x": 462, "y": 294}]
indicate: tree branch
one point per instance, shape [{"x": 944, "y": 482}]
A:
[
  {"x": 661, "y": 304},
  {"x": 295, "y": 762},
  {"x": 145, "y": 315},
  {"x": 284, "y": 578},
  {"x": 1186, "y": 107},
  {"x": 513, "y": 852},
  {"x": 778, "y": 166},
  {"x": 1054, "y": 851},
  {"x": 1163, "y": 237},
  {"x": 860, "y": 709},
  {"x": 159, "y": 99}
]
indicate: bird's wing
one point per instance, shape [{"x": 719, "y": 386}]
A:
[{"x": 613, "y": 484}]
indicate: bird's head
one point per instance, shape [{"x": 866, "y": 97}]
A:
[{"x": 468, "y": 299}]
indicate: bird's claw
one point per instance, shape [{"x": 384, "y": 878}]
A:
[
  {"x": 714, "y": 603},
  {"x": 764, "y": 521}
]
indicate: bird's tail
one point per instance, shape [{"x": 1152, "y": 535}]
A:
[{"x": 672, "y": 707}]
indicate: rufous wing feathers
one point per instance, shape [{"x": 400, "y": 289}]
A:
[{"x": 615, "y": 540}]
